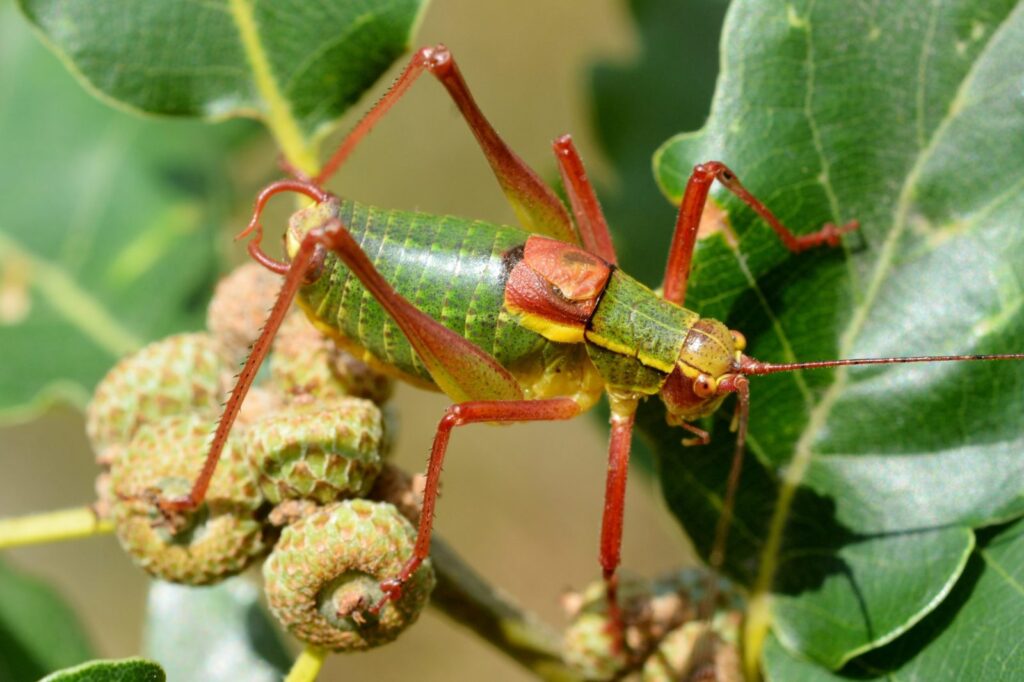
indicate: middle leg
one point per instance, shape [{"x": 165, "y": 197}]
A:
[
  {"x": 472, "y": 412},
  {"x": 590, "y": 222},
  {"x": 619, "y": 446}
]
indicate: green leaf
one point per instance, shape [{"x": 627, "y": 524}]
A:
[
  {"x": 125, "y": 670},
  {"x": 38, "y": 631},
  {"x": 909, "y": 118},
  {"x": 106, "y": 231},
  {"x": 295, "y": 65},
  {"x": 974, "y": 635},
  {"x": 213, "y": 633},
  {"x": 924, "y": 566},
  {"x": 636, "y": 105}
]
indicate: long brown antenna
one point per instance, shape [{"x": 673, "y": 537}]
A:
[{"x": 752, "y": 367}]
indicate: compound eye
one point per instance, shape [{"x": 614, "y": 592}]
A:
[
  {"x": 703, "y": 386},
  {"x": 739, "y": 341}
]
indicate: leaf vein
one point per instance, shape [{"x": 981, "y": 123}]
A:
[{"x": 280, "y": 118}]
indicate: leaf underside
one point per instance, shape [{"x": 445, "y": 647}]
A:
[
  {"x": 213, "y": 633},
  {"x": 124, "y": 670},
  {"x": 910, "y": 118},
  {"x": 261, "y": 58}
]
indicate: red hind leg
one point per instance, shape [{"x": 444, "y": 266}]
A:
[{"x": 535, "y": 204}]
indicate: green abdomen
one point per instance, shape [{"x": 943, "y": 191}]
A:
[{"x": 448, "y": 267}]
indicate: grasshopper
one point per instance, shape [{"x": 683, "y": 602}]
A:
[{"x": 515, "y": 324}]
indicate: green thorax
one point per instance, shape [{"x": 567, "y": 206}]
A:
[
  {"x": 635, "y": 337},
  {"x": 451, "y": 268}
]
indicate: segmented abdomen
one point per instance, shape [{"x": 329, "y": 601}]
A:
[{"x": 448, "y": 267}]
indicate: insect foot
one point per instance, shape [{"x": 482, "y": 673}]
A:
[
  {"x": 663, "y": 636},
  {"x": 326, "y": 571},
  {"x": 220, "y": 538}
]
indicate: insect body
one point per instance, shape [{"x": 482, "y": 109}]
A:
[
  {"x": 451, "y": 269},
  {"x": 561, "y": 320},
  {"x": 513, "y": 324},
  {"x": 559, "y": 323}
]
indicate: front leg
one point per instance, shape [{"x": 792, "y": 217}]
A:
[{"x": 684, "y": 240}]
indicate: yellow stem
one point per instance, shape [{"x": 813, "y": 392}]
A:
[
  {"x": 66, "y": 524},
  {"x": 297, "y": 149},
  {"x": 756, "y": 626},
  {"x": 307, "y": 665}
]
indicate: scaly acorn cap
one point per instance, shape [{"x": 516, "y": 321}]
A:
[
  {"x": 323, "y": 451},
  {"x": 239, "y": 308},
  {"x": 220, "y": 538},
  {"x": 588, "y": 648},
  {"x": 308, "y": 366},
  {"x": 180, "y": 374},
  {"x": 324, "y": 574}
]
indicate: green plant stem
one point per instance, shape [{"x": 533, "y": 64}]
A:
[
  {"x": 466, "y": 598},
  {"x": 66, "y": 524},
  {"x": 307, "y": 665}
]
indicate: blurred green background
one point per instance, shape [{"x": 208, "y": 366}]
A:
[{"x": 521, "y": 504}]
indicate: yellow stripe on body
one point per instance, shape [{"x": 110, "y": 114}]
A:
[{"x": 622, "y": 349}]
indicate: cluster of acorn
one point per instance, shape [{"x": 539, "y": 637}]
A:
[
  {"x": 302, "y": 478},
  {"x": 303, "y": 484},
  {"x": 665, "y": 637}
]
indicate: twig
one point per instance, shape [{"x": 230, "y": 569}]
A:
[
  {"x": 307, "y": 665},
  {"x": 66, "y": 524},
  {"x": 466, "y": 598}
]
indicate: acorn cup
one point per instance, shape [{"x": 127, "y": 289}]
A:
[
  {"x": 223, "y": 536},
  {"x": 300, "y": 442},
  {"x": 698, "y": 651},
  {"x": 588, "y": 643},
  {"x": 324, "y": 575},
  {"x": 239, "y": 307},
  {"x": 307, "y": 366},
  {"x": 323, "y": 451},
  {"x": 180, "y": 374}
]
